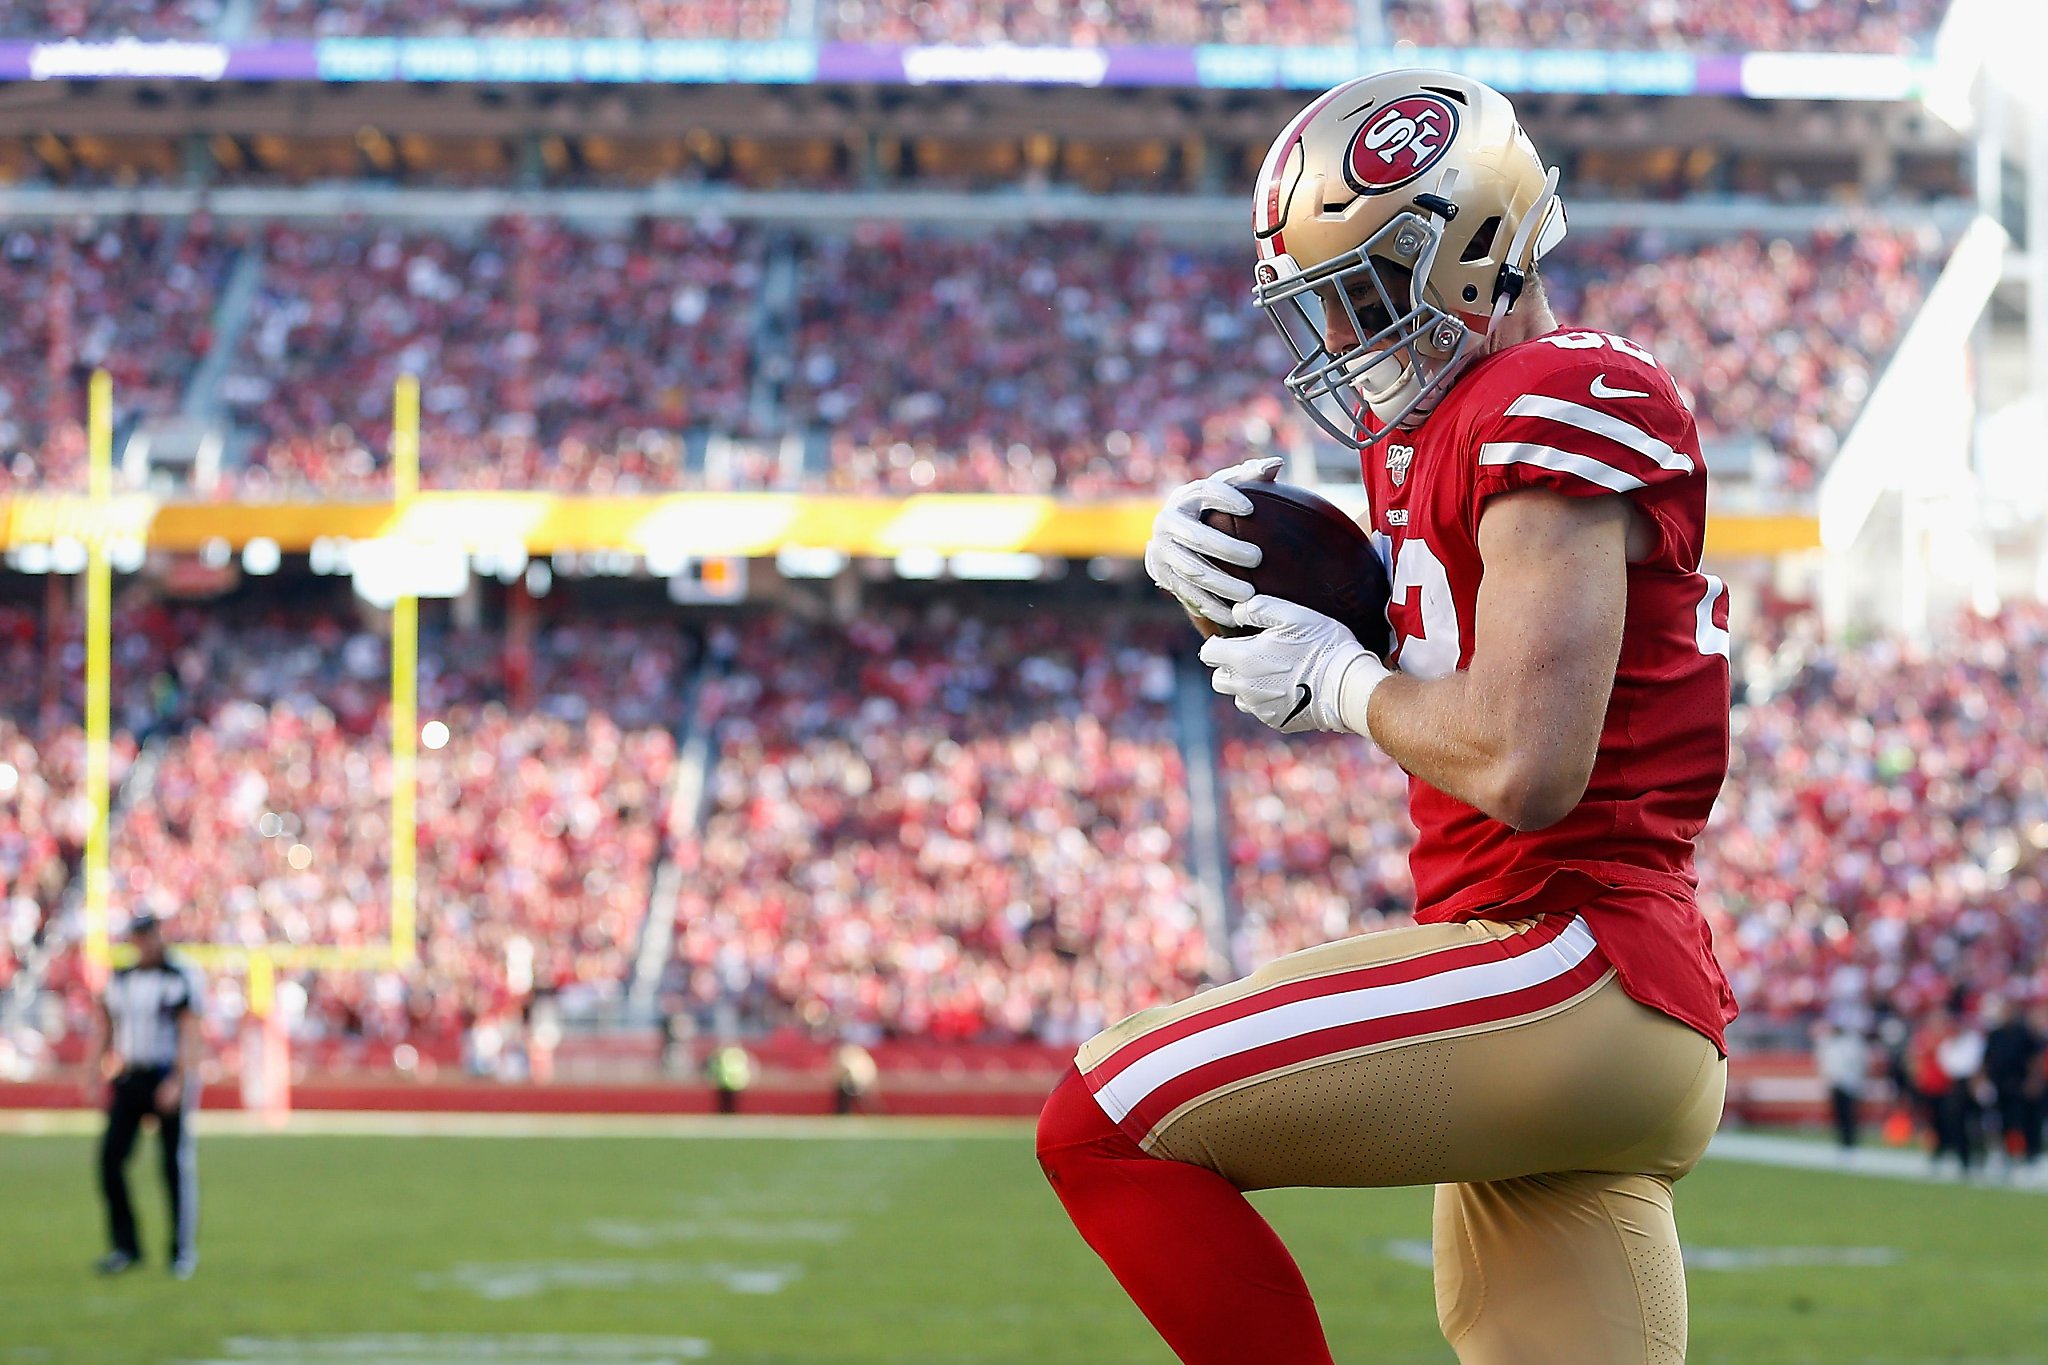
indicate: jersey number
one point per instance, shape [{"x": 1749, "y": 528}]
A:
[
  {"x": 1435, "y": 651},
  {"x": 1594, "y": 341}
]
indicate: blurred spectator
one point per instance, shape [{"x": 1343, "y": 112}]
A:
[
  {"x": 1959, "y": 1063},
  {"x": 853, "y": 1077},
  {"x": 1842, "y": 1056},
  {"x": 2013, "y": 1057}
]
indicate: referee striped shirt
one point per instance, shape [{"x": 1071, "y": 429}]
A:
[{"x": 145, "y": 1004}]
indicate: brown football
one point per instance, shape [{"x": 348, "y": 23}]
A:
[{"x": 1315, "y": 556}]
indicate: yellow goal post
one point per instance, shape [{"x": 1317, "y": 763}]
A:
[{"x": 400, "y": 947}]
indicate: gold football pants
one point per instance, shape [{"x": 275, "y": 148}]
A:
[{"x": 1501, "y": 1062}]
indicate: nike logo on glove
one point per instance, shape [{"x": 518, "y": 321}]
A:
[
  {"x": 1302, "y": 699},
  {"x": 1600, "y": 390}
]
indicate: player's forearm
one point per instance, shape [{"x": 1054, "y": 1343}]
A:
[{"x": 1449, "y": 733}]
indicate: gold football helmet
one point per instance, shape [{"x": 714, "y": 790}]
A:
[{"x": 1397, "y": 220}]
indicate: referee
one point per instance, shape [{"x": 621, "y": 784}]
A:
[{"x": 148, "y": 1049}]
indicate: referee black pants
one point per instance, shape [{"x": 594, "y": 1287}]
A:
[{"x": 134, "y": 1099}]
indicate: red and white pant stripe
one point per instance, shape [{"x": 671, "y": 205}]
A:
[{"x": 1292, "y": 1023}]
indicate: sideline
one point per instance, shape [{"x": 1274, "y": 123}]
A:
[{"x": 1882, "y": 1163}]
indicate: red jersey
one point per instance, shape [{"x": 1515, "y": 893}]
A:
[{"x": 1586, "y": 415}]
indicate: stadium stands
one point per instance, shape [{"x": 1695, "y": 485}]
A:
[
  {"x": 970, "y": 830},
  {"x": 50, "y": 20},
  {"x": 1067, "y": 358},
  {"x": 266, "y": 813},
  {"x": 1884, "y": 832},
  {"x": 1056, "y": 357},
  {"x": 960, "y": 827},
  {"x": 1091, "y": 24},
  {"x": 1720, "y": 25},
  {"x": 746, "y": 20},
  {"x": 642, "y": 332},
  {"x": 133, "y": 296},
  {"x": 1717, "y": 25},
  {"x": 1319, "y": 837},
  {"x": 1772, "y": 340}
]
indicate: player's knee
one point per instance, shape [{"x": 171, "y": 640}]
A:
[{"x": 1072, "y": 1127}]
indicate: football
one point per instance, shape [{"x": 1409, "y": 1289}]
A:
[{"x": 1315, "y": 556}]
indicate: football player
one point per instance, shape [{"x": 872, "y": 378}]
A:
[{"x": 1546, "y": 1045}]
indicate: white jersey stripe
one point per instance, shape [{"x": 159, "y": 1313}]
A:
[
  {"x": 1600, "y": 424},
  {"x": 1459, "y": 986},
  {"x": 1564, "y": 461}
]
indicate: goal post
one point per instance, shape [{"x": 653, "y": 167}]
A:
[
  {"x": 405, "y": 673},
  {"x": 399, "y": 947},
  {"x": 99, "y": 646}
]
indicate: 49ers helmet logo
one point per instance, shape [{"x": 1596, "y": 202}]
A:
[{"x": 1400, "y": 141}]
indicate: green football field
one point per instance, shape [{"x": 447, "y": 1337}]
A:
[{"x": 872, "y": 1243}]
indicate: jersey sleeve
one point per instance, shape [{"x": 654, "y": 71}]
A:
[{"x": 1588, "y": 415}]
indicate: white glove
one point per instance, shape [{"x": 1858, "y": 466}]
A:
[
  {"x": 1302, "y": 671},
  {"x": 1180, "y": 539}
]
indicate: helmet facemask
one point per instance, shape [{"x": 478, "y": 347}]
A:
[
  {"x": 1404, "y": 348},
  {"x": 1405, "y": 351}
]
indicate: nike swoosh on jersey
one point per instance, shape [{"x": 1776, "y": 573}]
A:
[
  {"x": 1301, "y": 702},
  {"x": 1600, "y": 390}
]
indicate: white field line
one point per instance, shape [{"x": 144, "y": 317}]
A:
[
  {"x": 1882, "y": 1163},
  {"x": 501, "y": 1280},
  {"x": 422, "y": 1348}
]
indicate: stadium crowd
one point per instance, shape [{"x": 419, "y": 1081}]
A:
[
  {"x": 261, "y": 816},
  {"x": 1067, "y": 358},
  {"x": 951, "y": 829},
  {"x": 1773, "y": 341},
  {"x": 959, "y": 827},
  {"x": 551, "y": 357},
  {"x": 1057, "y": 357},
  {"x": 741, "y": 20},
  {"x": 1318, "y": 838},
  {"x": 134, "y": 296},
  {"x": 1883, "y": 837},
  {"x": 1715, "y": 25}
]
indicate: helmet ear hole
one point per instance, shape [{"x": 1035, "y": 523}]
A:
[
  {"x": 1481, "y": 246},
  {"x": 1471, "y": 293}
]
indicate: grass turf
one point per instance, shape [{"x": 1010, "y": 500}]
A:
[{"x": 912, "y": 1249}]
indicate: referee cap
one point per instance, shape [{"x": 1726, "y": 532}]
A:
[{"x": 143, "y": 922}]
